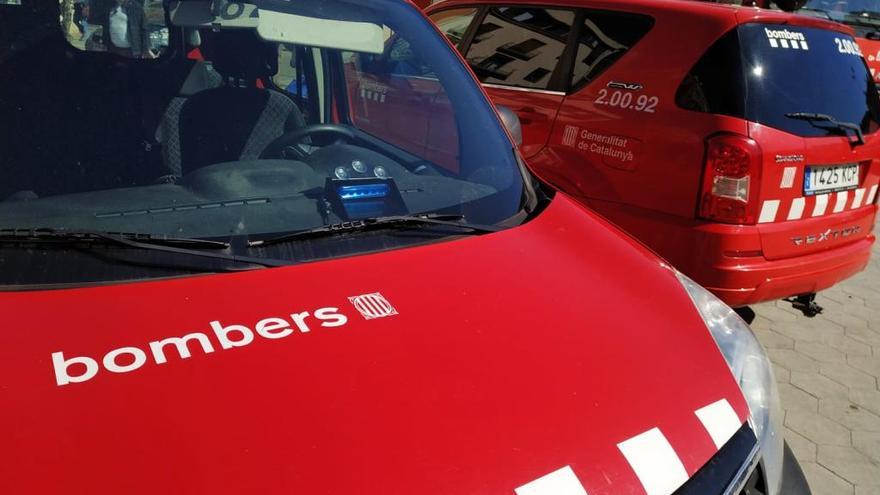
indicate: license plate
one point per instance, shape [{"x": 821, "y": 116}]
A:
[{"x": 831, "y": 178}]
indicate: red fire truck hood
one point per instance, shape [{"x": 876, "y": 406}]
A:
[{"x": 473, "y": 366}]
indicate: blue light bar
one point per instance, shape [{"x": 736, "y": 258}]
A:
[{"x": 365, "y": 191}]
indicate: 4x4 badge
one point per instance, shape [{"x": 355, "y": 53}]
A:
[{"x": 625, "y": 85}]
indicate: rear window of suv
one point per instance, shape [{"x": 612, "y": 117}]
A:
[{"x": 761, "y": 72}]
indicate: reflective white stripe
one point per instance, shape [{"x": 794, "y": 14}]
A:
[
  {"x": 720, "y": 420},
  {"x": 857, "y": 200},
  {"x": 784, "y": 43},
  {"x": 804, "y": 45},
  {"x": 788, "y": 177},
  {"x": 842, "y": 197},
  {"x": 655, "y": 462},
  {"x": 773, "y": 43},
  {"x": 768, "y": 211},
  {"x": 871, "y": 195},
  {"x": 821, "y": 205},
  {"x": 797, "y": 208},
  {"x": 560, "y": 482}
]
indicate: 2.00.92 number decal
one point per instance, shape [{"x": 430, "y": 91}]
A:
[
  {"x": 628, "y": 101},
  {"x": 848, "y": 47}
]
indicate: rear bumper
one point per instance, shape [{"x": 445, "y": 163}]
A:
[
  {"x": 746, "y": 264},
  {"x": 744, "y": 281},
  {"x": 741, "y": 270}
]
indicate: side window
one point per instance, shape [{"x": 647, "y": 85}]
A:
[
  {"x": 292, "y": 75},
  {"x": 520, "y": 46},
  {"x": 130, "y": 28},
  {"x": 716, "y": 83},
  {"x": 604, "y": 38},
  {"x": 402, "y": 61},
  {"x": 454, "y": 23},
  {"x": 397, "y": 98}
]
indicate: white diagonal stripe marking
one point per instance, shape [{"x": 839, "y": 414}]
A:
[
  {"x": 858, "y": 196},
  {"x": 773, "y": 43},
  {"x": 804, "y": 45},
  {"x": 788, "y": 177},
  {"x": 821, "y": 205},
  {"x": 560, "y": 482},
  {"x": 797, "y": 208},
  {"x": 768, "y": 211},
  {"x": 654, "y": 461},
  {"x": 840, "y": 204},
  {"x": 720, "y": 420},
  {"x": 784, "y": 43},
  {"x": 871, "y": 195}
]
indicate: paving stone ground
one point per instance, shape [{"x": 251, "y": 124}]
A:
[{"x": 828, "y": 369}]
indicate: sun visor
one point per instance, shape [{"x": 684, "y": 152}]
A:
[
  {"x": 280, "y": 27},
  {"x": 228, "y": 15},
  {"x": 362, "y": 37}
]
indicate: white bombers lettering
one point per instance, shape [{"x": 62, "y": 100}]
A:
[
  {"x": 182, "y": 345},
  {"x": 78, "y": 369},
  {"x": 783, "y": 38}
]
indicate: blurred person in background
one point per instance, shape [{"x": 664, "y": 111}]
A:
[{"x": 126, "y": 29}]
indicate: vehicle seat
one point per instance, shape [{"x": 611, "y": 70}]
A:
[
  {"x": 237, "y": 120},
  {"x": 202, "y": 76}
]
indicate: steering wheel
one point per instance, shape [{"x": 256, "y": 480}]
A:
[{"x": 285, "y": 146}]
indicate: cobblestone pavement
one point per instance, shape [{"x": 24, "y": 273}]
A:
[{"x": 828, "y": 369}]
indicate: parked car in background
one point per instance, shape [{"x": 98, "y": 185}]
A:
[
  {"x": 863, "y": 16},
  {"x": 738, "y": 143},
  {"x": 298, "y": 253}
]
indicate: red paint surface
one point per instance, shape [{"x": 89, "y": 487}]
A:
[
  {"x": 513, "y": 354},
  {"x": 655, "y": 196},
  {"x": 871, "y": 50}
]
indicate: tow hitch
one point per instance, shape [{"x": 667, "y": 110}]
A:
[{"x": 806, "y": 304}]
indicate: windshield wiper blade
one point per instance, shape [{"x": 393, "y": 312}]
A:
[
  {"x": 95, "y": 236},
  {"x": 174, "y": 245},
  {"x": 821, "y": 117},
  {"x": 380, "y": 222}
]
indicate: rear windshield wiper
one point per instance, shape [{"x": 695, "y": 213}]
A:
[
  {"x": 454, "y": 221},
  {"x": 175, "y": 245},
  {"x": 821, "y": 117}
]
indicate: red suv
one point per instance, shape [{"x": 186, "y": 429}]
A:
[{"x": 740, "y": 144}]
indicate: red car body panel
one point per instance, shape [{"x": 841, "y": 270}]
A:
[
  {"x": 871, "y": 50},
  {"x": 652, "y": 187},
  {"x": 454, "y": 394}
]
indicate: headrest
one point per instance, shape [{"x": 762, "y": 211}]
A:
[{"x": 241, "y": 54}]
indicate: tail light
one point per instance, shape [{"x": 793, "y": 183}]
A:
[{"x": 731, "y": 179}]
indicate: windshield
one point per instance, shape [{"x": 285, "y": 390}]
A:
[
  {"x": 766, "y": 72},
  {"x": 854, "y": 12},
  {"x": 244, "y": 123}
]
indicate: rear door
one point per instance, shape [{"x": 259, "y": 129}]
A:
[
  {"x": 820, "y": 182},
  {"x": 516, "y": 52}
]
